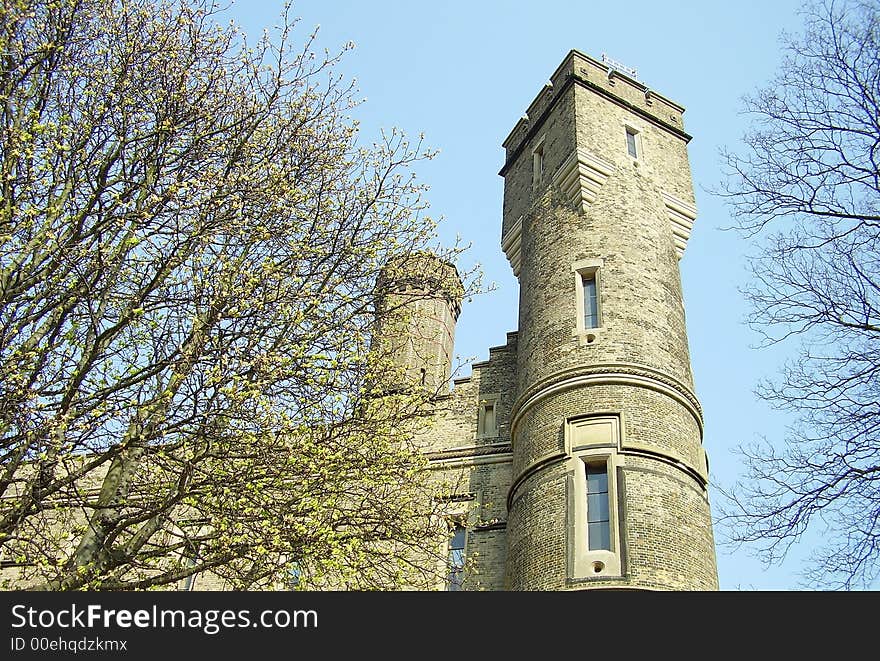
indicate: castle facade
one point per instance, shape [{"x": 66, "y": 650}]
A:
[{"x": 577, "y": 446}]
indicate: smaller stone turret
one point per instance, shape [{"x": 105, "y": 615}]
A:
[{"x": 418, "y": 300}]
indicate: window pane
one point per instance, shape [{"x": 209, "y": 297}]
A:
[
  {"x": 599, "y": 536},
  {"x": 631, "y": 144},
  {"x": 598, "y": 515},
  {"x": 597, "y": 507},
  {"x": 591, "y": 303},
  {"x": 597, "y": 478},
  {"x": 456, "y": 559},
  {"x": 457, "y": 538},
  {"x": 294, "y": 575}
]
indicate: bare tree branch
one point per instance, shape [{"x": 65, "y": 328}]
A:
[{"x": 807, "y": 189}]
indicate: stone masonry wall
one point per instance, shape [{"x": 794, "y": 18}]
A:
[{"x": 476, "y": 469}]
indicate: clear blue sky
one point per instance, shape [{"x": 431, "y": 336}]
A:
[{"x": 464, "y": 72}]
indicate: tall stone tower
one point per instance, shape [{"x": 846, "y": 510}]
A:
[
  {"x": 608, "y": 480},
  {"x": 418, "y": 303}
]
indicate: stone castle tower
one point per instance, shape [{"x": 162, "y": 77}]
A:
[{"x": 577, "y": 446}]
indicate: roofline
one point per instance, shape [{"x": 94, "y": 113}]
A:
[{"x": 572, "y": 78}]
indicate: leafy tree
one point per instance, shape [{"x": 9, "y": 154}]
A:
[
  {"x": 807, "y": 187},
  {"x": 190, "y": 237}
]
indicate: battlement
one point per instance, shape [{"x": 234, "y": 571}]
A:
[
  {"x": 422, "y": 272},
  {"x": 607, "y": 81}
]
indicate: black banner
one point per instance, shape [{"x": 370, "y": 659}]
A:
[{"x": 167, "y": 625}]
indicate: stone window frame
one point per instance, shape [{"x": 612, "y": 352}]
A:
[
  {"x": 455, "y": 525},
  {"x": 630, "y": 130},
  {"x": 587, "y": 268},
  {"x": 539, "y": 162},
  {"x": 461, "y": 510},
  {"x": 584, "y": 563},
  {"x": 486, "y": 401}
]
